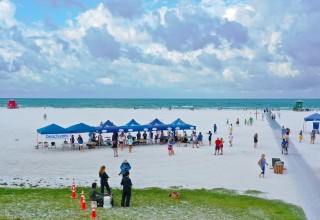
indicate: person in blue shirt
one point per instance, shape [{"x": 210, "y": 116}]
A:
[
  {"x": 215, "y": 128},
  {"x": 125, "y": 167},
  {"x": 200, "y": 139},
  {"x": 284, "y": 146},
  {"x": 283, "y": 131}
]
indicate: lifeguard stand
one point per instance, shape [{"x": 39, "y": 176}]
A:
[{"x": 297, "y": 106}]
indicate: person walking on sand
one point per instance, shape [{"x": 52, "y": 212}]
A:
[
  {"x": 283, "y": 146},
  {"x": 217, "y": 148},
  {"x": 230, "y": 140},
  {"x": 210, "y": 137},
  {"x": 221, "y": 146},
  {"x": 255, "y": 140},
  {"x": 194, "y": 140},
  {"x": 245, "y": 121},
  {"x": 262, "y": 163},
  {"x": 230, "y": 129},
  {"x": 104, "y": 180},
  {"x": 115, "y": 148},
  {"x": 300, "y": 136},
  {"x": 227, "y": 122},
  {"x": 170, "y": 147},
  {"x": 126, "y": 190}
]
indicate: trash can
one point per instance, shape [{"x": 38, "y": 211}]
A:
[
  {"x": 275, "y": 160},
  {"x": 316, "y": 127},
  {"x": 278, "y": 167}
]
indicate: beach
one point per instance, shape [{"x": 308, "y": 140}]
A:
[{"x": 22, "y": 165}]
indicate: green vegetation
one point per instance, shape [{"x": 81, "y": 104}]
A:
[{"x": 149, "y": 203}]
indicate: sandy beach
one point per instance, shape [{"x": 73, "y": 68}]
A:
[{"x": 22, "y": 165}]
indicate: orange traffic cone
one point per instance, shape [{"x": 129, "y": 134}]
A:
[
  {"x": 93, "y": 213},
  {"x": 84, "y": 205},
  {"x": 73, "y": 189},
  {"x": 81, "y": 198}
]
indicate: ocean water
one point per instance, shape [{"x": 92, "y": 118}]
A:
[{"x": 161, "y": 103}]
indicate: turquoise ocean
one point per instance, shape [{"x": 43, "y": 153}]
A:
[{"x": 160, "y": 103}]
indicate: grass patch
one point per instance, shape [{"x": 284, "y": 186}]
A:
[{"x": 149, "y": 203}]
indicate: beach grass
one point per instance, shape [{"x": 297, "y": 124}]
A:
[{"x": 148, "y": 203}]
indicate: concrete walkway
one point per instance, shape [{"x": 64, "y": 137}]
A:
[{"x": 305, "y": 181}]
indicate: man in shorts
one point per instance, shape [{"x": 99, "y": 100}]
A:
[{"x": 217, "y": 148}]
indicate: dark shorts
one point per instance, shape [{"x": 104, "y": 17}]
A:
[
  {"x": 217, "y": 148},
  {"x": 120, "y": 142}
]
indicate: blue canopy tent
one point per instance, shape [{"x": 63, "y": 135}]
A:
[
  {"x": 81, "y": 128},
  {"x": 180, "y": 125},
  {"x": 156, "y": 125},
  {"x": 51, "y": 129},
  {"x": 314, "y": 117},
  {"x": 132, "y": 125},
  {"x": 108, "y": 127}
]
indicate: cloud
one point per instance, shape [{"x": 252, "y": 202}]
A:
[
  {"x": 105, "y": 81},
  {"x": 125, "y": 8},
  {"x": 101, "y": 44},
  {"x": 7, "y": 13}
]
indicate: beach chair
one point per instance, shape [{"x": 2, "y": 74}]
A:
[
  {"x": 40, "y": 144},
  {"x": 53, "y": 144}
]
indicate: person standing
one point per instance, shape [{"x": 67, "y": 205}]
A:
[
  {"x": 217, "y": 149},
  {"x": 122, "y": 140},
  {"x": 200, "y": 137},
  {"x": 255, "y": 140},
  {"x": 130, "y": 143},
  {"x": 262, "y": 163},
  {"x": 283, "y": 132},
  {"x": 138, "y": 136},
  {"x": 230, "y": 140},
  {"x": 115, "y": 148},
  {"x": 210, "y": 137},
  {"x": 80, "y": 142},
  {"x": 300, "y": 136},
  {"x": 126, "y": 190},
  {"x": 312, "y": 136},
  {"x": 72, "y": 142},
  {"x": 215, "y": 128},
  {"x": 170, "y": 147},
  {"x": 221, "y": 146},
  {"x": 104, "y": 180}
]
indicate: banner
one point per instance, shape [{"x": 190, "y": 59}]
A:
[{"x": 57, "y": 136}]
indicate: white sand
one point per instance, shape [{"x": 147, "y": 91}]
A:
[{"x": 151, "y": 166}]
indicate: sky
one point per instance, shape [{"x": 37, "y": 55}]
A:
[{"x": 159, "y": 49}]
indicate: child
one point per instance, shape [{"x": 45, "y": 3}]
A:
[
  {"x": 230, "y": 140},
  {"x": 300, "y": 136},
  {"x": 130, "y": 142},
  {"x": 262, "y": 163},
  {"x": 170, "y": 147}
]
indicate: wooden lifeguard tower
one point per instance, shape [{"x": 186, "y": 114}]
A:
[{"x": 297, "y": 106}]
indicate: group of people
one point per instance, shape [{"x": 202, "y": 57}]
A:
[{"x": 126, "y": 184}]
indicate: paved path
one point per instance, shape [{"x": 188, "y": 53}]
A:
[{"x": 306, "y": 182}]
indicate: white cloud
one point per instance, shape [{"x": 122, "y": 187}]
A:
[
  {"x": 105, "y": 81},
  {"x": 7, "y": 13},
  {"x": 228, "y": 75},
  {"x": 283, "y": 69}
]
